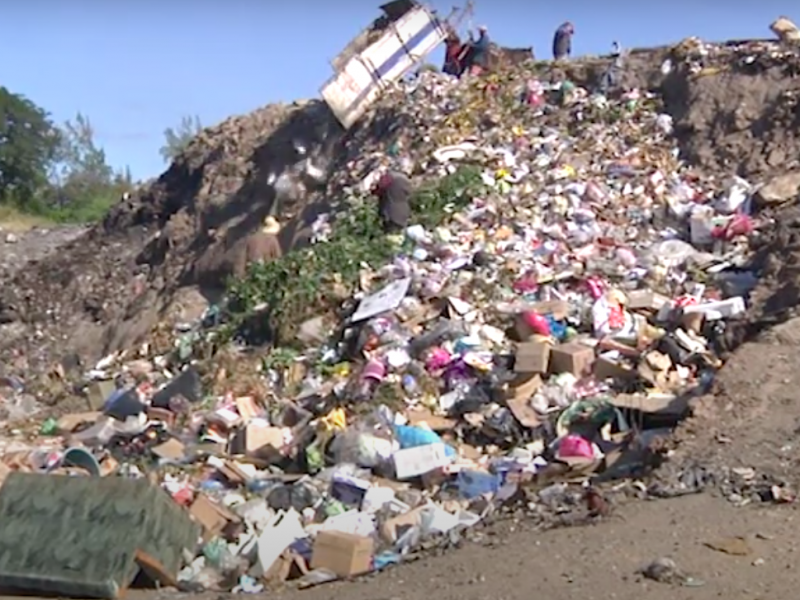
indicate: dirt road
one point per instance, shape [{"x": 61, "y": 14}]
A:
[{"x": 600, "y": 562}]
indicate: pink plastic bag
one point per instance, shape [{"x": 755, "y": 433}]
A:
[
  {"x": 538, "y": 323},
  {"x": 575, "y": 446}
]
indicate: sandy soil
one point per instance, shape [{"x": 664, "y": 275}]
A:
[{"x": 600, "y": 562}]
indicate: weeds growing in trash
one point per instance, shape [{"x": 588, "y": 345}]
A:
[{"x": 304, "y": 282}]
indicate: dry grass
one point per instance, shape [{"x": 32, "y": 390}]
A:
[{"x": 13, "y": 220}]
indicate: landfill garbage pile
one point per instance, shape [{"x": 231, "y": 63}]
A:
[
  {"x": 544, "y": 335},
  {"x": 173, "y": 238}
]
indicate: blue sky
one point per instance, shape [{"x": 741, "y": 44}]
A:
[{"x": 136, "y": 67}]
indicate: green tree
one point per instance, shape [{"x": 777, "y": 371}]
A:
[
  {"x": 176, "y": 139},
  {"x": 29, "y": 143},
  {"x": 84, "y": 170},
  {"x": 84, "y": 185}
]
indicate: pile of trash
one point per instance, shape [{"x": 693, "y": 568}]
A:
[{"x": 545, "y": 338}]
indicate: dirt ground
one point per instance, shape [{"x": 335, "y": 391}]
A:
[{"x": 600, "y": 562}]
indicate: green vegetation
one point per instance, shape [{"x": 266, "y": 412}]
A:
[
  {"x": 52, "y": 173},
  {"x": 58, "y": 173},
  {"x": 177, "y": 138},
  {"x": 306, "y": 282}
]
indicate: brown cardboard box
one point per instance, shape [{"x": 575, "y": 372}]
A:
[
  {"x": 345, "y": 554},
  {"x": 532, "y": 357},
  {"x": 646, "y": 300},
  {"x": 97, "y": 392},
  {"x": 606, "y": 367},
  {"x": 164, "y": 415},
  {"x": 212, "y": 517},
  {"x": 572, "y": 358},
  {"x": 259, "y": 440}
]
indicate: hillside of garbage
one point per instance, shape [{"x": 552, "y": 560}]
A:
[
  {"x": 582, "y": 263},
  {"x": 733, "y": 110}
]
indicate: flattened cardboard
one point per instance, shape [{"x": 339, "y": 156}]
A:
[
  {"x": 172, "y": 449},
  {"x": 70, "y": 422},
  {"x": 98, "y": 392},
  {"x": 259, "y": 440},
  {"x": 520, "y": 391}
]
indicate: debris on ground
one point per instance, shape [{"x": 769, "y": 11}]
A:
[{"x": 665, "y": 570}]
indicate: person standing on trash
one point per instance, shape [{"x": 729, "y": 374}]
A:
[
  {"x": 476, "y": 58},
  {"x": 611, "y": 77},
  {"x": 453, "y": 55},
  {"x": 394, "y": 190},
  {"x": 262, "y": 246},
  {"x": 562, "y": 41}
]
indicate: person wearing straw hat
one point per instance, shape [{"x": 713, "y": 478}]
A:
[{"x": 262, "y": 246}]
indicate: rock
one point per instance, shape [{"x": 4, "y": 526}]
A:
[
  {"x": 11, "y": 238},
  {"x": 663, "y": 570},
  {"x": 780, "y": 189}
]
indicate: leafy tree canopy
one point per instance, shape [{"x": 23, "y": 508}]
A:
[{"x": 29, "y": 143}]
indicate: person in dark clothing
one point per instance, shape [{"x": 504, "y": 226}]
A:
[
  {"x": 393, "y": 191},
  {"x": 612, "y": 76},
  {"x": 562, "y": 41},
  {"x": 477, "y": 54},
  {"x": 453, "y": 54}
]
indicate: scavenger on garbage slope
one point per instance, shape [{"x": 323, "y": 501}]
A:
[
  {"x": 477, "y": 57},
  {"x": 562, "y": 41},
  {"x": 453, "y": 55},
  {"x": 262, "y": 245},
  {"x": 393, "y": 191}
]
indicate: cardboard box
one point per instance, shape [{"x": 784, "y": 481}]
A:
[
  {"x": 259, "y": 440},
  {"x": 345, "y": 554},
  {"x": 646, "y": 300},
  {"x": 532, "y": 357},
  {"x": 212, "y": 517},
  {"x": 572, "y": 358},
  {"x": 98, "y": 392},
  {"x": 606, "y": 367}
]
